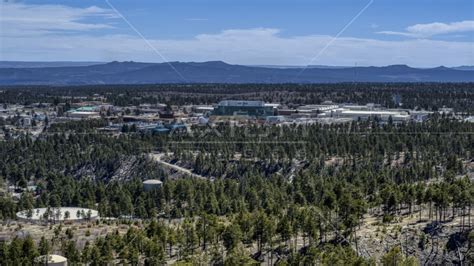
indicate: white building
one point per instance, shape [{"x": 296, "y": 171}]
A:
[
  {"x": 315, "y": 109},
  {"x": 51, "y": 260},
  {"x": 383, "y": 115},
  {"x": 84, "y": 114}
]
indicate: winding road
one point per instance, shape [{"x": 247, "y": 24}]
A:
[{"x": 158, "y": 158}]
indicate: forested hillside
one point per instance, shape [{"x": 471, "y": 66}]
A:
[{"x": 286, "y": 195}]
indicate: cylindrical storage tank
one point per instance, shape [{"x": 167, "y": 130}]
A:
[
  {"x": 152, "y": 184},
  {"x": 51, "y": 260}
]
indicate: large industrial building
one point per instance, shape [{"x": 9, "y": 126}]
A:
[
  {"x": 244, "y": 108},
  {"x": 85, "y": 112},
  {"x": 363, "y": 114},
  {"x": 383, "y": 115}
]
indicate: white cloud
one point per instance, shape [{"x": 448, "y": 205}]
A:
[
  {"x": 432, "y": 29},
  {"x": 17, "y": 19},
  {"x": 62, "y": 33}
]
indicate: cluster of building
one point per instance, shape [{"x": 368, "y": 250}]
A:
[
  {"x": 162, "y": 118},
  {"x": 325, "y": 112},
  {"x": 166, "y": 119},
  {"x": 17, "y": 119}
]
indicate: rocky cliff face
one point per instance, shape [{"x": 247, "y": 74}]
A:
[{"x": 431, "y": 243}]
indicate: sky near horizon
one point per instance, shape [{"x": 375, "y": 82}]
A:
[{"x": 418, "y": 33}]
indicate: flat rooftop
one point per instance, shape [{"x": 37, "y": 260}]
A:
[
  {"x": 373, "y": 112},
  {"x": 242, "y": 103}
]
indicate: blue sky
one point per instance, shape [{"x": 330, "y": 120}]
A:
[{"x": 282, "y": 32}]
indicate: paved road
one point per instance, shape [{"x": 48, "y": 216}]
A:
[{"x": 158, "y": 158}]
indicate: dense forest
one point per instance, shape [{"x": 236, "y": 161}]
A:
[{"x": 286, "y": 195}]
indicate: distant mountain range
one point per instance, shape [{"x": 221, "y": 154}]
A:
[
  {"x": 470, "y": 68},
  {"x": 60, "y": 73},
  {"x": 26, "y": 64}
]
